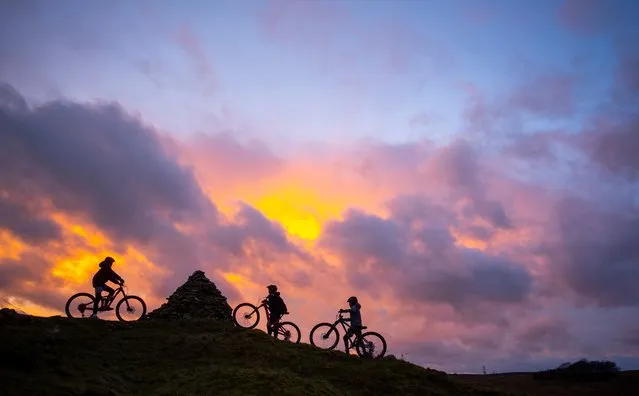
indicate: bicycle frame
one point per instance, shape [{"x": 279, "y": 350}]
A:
[
  {"x": 109, "y": 300},
  {"x": 346, "y": 326}
]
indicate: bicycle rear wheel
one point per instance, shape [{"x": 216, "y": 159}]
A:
[
  {"x": 134, "y": 308},
  {"x": 83, "y": 302},
  {"x": 289, "y": 331},
  {"x": 246, "y": 315},
  {"x": 371, "y": 345},
  {"x": 324, "y": 336}
]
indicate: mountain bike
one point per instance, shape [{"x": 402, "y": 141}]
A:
[
  {"x": 247, "y": 316},
  {"x": 126, "y": 306},
  {"x": 364, "y": 343}
]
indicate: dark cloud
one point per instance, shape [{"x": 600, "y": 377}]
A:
[
  {"x": 538, "y": 146},
  {"x": 615, "y": 147},
  {"x": 413, "y": 253},
  {"x": 12, "y": 272},
  {"x": 26, "y": 225},
  {"x": 100, "y": 160},
  {"x": 545, "y": 335},
  {"x": 460, "y": 166},
  {"x": 596, "y": 253},
  {"x": 630, "y": 340},
  {"x": 362, "y": 237},
  {"x": 479, "y": 277}
]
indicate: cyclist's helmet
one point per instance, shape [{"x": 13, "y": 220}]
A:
[
  {"x": 272, "y": 288},
  {"x": 107, "y": 262},
  {"x": 352, "y": 300}
]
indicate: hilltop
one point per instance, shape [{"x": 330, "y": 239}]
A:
[
  {"x": 190, "y": 346},
  {"x": 61, "y": 356}
]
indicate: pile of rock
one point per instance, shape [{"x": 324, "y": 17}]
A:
[{"x": 197, "y": 298}]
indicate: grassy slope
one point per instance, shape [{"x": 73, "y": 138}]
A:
[
  {"x": 59, "y": 356},
  {"x": 626, "y": 384}
]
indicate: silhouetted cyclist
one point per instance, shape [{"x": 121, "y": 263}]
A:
[
  {"x": 276, "y": 306},
  {"x": 355, "y": 319},
  {"x": 104, "y": 274}
]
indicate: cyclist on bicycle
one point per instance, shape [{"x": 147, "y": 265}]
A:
[
  {"x": 276, "y": 307},
  {"x": 104, "y": 274},
  {"x": 355, "y": 319}
]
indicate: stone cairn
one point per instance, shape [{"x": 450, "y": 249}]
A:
[{"x": 197, "y": 298}]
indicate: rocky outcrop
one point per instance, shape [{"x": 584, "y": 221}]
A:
[{"x": 197, "y": 298}]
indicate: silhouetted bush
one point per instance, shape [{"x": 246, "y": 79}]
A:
[{"x": 582, "y": 370}]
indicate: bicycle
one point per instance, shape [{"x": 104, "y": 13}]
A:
[
  {"x": 105, "y": 304},
  {"x": 281, "y": 328},
  {"x": 362, "y": 343}
]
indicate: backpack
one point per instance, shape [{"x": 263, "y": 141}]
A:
[{"x": 279, "y": 304}]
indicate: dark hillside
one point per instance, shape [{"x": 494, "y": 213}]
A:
[{"x": 60, "y": 356}]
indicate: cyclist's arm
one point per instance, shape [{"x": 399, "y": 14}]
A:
[
  {"x": 348, "y": 311},
  {"x": 115, "y": 277}
]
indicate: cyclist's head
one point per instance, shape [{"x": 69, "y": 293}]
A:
[
  {"x": 109, "y": 261},
  {"x": 271, "y": 288},
  {"x": 352, "y": 300}
]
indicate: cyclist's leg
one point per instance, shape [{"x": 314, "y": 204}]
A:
[
  {"x": 96, "y": 301},
  {"x": 109, "y": 290},
  {"x": 269, "y": 325},
  {"x": 275, "y": 320},
  {"x": 348, "y": 335},
  {"x": 357, "y": 331}
]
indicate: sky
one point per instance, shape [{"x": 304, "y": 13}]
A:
[{"x": 465, "y": 168}]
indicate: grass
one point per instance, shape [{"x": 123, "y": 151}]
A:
[{"x": 60, "y": 356}]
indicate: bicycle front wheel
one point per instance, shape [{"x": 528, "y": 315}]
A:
[
  {"x": 371, "y": 345},
  {"x": 83, "y": 302},
  {"x": 130, "y": 308},
  {"x": 289, "y": 332},
  {"x": 246, "y": 315},
  {"x": 324, "y": 336}
]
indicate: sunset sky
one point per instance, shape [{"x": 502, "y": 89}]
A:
[{"x": 464, "y": 167}]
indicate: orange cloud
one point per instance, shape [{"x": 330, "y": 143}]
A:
[{"x": 10, "y": 246}]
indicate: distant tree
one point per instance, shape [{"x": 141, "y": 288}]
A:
[
  {"x": 483, "y": 369},
  {"x": 582, "y": 370}
]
